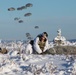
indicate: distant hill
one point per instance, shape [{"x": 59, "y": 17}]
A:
[{"x": 72, "y": 40}]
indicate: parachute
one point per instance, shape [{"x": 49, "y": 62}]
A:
[
  {"x": 36, "y": 27},
  {"x": 21, "y": 8},
  {"x": 11, "y": 9},
  {"x": 16, "y": 18},
  {"x": 28, "y": 35},
  {"x": 20, "y": 21},
  {"x": 29, "y": 5},
  {"x": 28, "y": 14}
]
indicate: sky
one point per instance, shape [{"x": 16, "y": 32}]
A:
[{"x": 48, "y": 15}]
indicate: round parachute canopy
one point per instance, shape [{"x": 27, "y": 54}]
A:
[
  {"x": 36, "y": 27},
  {"x": 21, "y": 8},
  {"x": 28, "y": 35},
  {"x": 20, "y": 21},
  {"x": 16, "y": 18},
  {"x": 28, "y": 14},
  {"x": 29, "y": 5},
  {"x": 11, "y": 9}
]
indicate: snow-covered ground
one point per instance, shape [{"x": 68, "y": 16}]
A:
[{"x": 13, "y": 63}]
